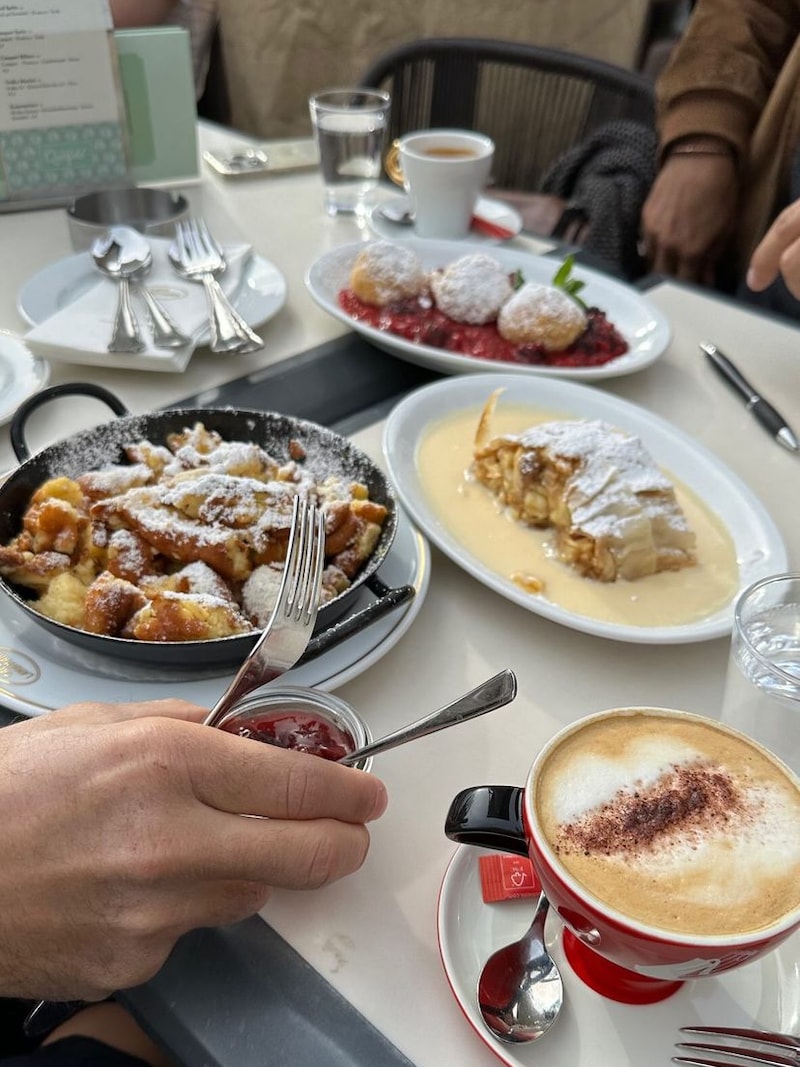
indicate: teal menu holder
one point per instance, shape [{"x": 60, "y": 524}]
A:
[{"x": 155, "y": 66}]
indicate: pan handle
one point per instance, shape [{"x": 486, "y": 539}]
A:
[{"x": 27, "y": 407}]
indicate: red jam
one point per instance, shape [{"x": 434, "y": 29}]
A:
[
  {"x": 298, "y": 730},
  {"x": 599, "y": 343}
]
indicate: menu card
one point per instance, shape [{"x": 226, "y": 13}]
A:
[{"x": 62, "y": 125}]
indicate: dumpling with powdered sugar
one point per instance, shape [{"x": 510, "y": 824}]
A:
[
  {"x": 541, "y": 315},
  {"x": 471, "y": 289},
  {"x": 384, "y": 273}
]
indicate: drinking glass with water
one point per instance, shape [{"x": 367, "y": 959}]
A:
[
  {"x": 350, "y": 128},
  {"x": 762, "y": 691}
]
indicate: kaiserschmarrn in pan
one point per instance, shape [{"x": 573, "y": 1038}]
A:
[{"x": 184, "y": 542}]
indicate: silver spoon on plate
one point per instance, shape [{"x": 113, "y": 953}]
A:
[
  {"x": 123, "y": 254},
  {"x": 520, "y": 991}
]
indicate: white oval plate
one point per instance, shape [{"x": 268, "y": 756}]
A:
[
  {"x": 592, "y": 1030},
  {"x": 40, "y": 672},
  {"x": 759, "y": 547},
  {"x": 21, "y": 374},
  {"x": 259, "y": 296},
  {"x": 644, "y": 327}
]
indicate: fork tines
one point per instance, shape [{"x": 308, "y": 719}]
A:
[
  {"x": 305, "y": 562},
  {"x": 755, "y": 1052}
]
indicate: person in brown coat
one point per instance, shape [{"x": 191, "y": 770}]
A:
[{"x": 729, "y": 129}]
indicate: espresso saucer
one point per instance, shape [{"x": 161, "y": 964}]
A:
[
  {"x": 593, "y": 1031},
  {"x": 493, "y": 211}
]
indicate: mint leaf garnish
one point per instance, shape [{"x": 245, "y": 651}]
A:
[{"x": 562, "y": 279}]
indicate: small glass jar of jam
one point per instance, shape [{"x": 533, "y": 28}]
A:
[{"x": 306, "y": 720}]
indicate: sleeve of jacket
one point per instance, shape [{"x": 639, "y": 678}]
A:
[{"x": 723, "y": 69}]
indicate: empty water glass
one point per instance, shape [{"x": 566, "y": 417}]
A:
[
  {"x": 762, "y": 690},
  {"x": 350, "y": 128}
]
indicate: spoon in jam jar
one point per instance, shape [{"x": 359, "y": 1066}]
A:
[{"x": 493, "y": 693}]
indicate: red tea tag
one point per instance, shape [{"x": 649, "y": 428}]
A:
[{"x": 507, "y": 878}]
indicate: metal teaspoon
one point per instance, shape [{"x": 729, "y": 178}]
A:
[
  {"x": 491, "y": 694},
  {"x": 108, "y": 257},
  {"x": 124, "y": 254},
  {"x": 520, "y": 991}
]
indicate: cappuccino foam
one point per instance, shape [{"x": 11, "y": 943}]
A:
[{"x": 674, "y": 822}]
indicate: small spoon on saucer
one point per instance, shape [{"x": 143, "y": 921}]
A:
[
  {"x": 124, "y": 254},
  {"x": 493, "y": 693},
  {"x": 399, "y": 213},
  {"x": 520, "y": 991},
  {"x": 111, "y": 260}
]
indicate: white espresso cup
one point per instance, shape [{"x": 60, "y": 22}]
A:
[{"x": 444, "y": 173}]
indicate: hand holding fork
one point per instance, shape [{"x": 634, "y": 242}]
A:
[{"x": 195, "y": 255}]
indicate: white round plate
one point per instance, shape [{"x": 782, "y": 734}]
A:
[
  {"x": 593, "y": 1031},
  {"x": 21, "y": 374},
  {"x": 259, "y": 296},
  {"x": 642, "y": 324},
  {"x": 492, "y": 210},
  {"x": 40, "y": 672},
  {"x": 759, "y": 546}
]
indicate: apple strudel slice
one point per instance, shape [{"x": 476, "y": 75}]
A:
[{"x": 614, "y": 513}]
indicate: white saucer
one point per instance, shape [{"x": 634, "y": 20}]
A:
[
  {"x": 492, "y": 210},
  {"x": 40, "y": 672},
  {"x": 593, "y": 1031},
  {"x": 21, "y": 374},
  {"x": 260, "y": 294}
]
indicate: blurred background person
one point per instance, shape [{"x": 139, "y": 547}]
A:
[
  {"x": 198, "y": 17},
  {"x": 729, "y": 131}
]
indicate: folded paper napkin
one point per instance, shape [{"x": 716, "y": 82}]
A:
[{"x": 80, "y": 332}]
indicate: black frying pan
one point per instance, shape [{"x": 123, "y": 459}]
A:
[{"x": 326, "y": 453}]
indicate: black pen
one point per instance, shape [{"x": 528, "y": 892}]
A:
[{"x": 762, "y": 409}]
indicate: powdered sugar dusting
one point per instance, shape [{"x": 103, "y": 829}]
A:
[
  {"x": 541, "y": 314},
  {"x": 384, "y": 272},
  {"x": 612, "y": 472},
  {"x": 472, "y": 289}
]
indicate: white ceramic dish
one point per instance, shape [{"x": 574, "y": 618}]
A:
[
  {"x": 592, "y": 1030},
  {"x": 39, "y": 672},
  {"x": 492, "y": 210},
  {"x": 260, "y": 295},
  {"x": 759, "y": 546},
  {"x": 642, "y": 324},
  {"x": 21, "y": 374}
]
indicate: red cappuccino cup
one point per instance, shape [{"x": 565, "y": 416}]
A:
[{"x": 668, "y": 844}]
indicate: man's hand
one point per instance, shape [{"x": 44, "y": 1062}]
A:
[
  {"x": 123, "y": 828},
  {"x": 689, "y": 214},
  {"x": 778, "y": 253}
]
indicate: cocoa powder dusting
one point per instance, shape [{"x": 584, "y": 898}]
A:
[{"x": 688, "y": 798}]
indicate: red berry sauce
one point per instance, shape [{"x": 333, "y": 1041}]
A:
[
  {"x": 299, "y": 730},
  {"x": 412, "y": 320}
]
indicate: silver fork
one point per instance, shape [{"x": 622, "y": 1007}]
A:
[
  {"x": 195, "y": 255},
  {"x": 766, "y": 1039},
  {"x": 291, "y": 623}
]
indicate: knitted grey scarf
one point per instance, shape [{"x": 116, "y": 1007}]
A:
[{"x": 606, "y": 179}]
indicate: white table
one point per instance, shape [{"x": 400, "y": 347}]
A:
[{"x": 373, "y": 936}]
